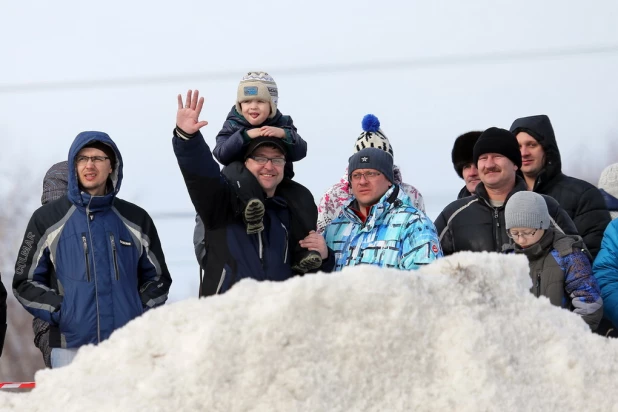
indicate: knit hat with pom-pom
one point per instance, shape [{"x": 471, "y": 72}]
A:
[
  {"x": 372, "y": 150},
  {"x": 372, "y": 136}
]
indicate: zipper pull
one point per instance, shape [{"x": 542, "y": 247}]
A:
[
  {"x": 538, "y": 285},
  {"x": 497, "y": 217}
]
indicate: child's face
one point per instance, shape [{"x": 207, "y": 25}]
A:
[
  {"x": 525, "y": 236},
  {"x": 255, "y": 111}
]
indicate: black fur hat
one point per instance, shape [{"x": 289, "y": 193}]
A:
[{"x": 462, "y": 150}]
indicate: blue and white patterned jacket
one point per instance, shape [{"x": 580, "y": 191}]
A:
[{"x": 395, "y": 235}]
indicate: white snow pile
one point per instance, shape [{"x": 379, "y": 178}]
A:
[{"x": 461, "y": 334}]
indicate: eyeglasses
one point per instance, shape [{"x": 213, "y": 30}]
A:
[
  {"x": 367, "y": 175},
  {"x": 523, "y": 235},
  {"x": 81, "y": 160},
  {"x": 261, "y": 160}
]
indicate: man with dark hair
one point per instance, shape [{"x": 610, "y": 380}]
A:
[
  {"x": 542, "y": 169},
  {"x": 232, "y": 254},
  {"x": 476, "y": 223},
  {"x": 462, "y": 159},
  {"x": 89, "y": 262}
]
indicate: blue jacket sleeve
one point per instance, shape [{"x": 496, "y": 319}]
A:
[
  {"x": 153, "y": 276},
  {"x": 582, "y": 287},
  {"x": 420, "y": 244},
  {"x": 605, "y": 270},
  {"x": 230, "y": 142},
  {"x": 212, "y": 196}
]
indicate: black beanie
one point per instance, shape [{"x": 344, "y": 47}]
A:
[
  {"x": 495, "y": 140},
  {"x": 462, "y": 151},
  {"x": 105, "y": 148}
]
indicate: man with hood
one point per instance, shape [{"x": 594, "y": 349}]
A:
[
  {"x": 542, "y": 170},
  {"x": 476, "y": 223},
  {"x": 462, "y": 158},
  {"x": 335, "y": 198},
  {"x": 89, "y": 262}
]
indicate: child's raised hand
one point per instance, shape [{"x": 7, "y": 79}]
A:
[
  {"x": 187, "y": 117},
  {"x": 272, "y": 132}
]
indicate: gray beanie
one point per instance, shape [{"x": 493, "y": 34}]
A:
[
  {"x": 526, "y": 209},
  {"x": 55, "y": 182},
  {"x": 372, "y": 158}
]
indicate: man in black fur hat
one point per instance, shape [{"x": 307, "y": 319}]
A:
[{"x": 463, "y": 162}]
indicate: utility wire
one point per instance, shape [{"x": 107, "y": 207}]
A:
[{"x": 338, "y": 68}]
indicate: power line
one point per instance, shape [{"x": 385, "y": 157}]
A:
[
  {"x": 172, "y": 215},
  {"x": 410, "y": 64}
]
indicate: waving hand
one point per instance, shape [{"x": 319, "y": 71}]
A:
[{"x": 187, "y": 118}]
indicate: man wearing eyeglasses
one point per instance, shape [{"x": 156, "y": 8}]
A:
[
  {"x": 380, "y": 225},
  {"x": 232, "y": 254},
  {"x": 90, "y": 262},
  {"x": 476, "y": 223}
]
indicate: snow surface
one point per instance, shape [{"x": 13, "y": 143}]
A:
[{"x": 461, "y": 334}]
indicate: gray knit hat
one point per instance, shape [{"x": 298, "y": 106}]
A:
[
  {"x": 372, "y": 158},
  {"x": 55, "y": 182},
  {"x": 526, "y": 209}
]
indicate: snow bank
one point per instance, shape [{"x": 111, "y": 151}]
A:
[{"x": 461, "y": 334}]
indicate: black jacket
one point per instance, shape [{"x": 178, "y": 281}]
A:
[
  {"x": 464, "y": 192},
  {"x": 2, "y": 315},
  {"x": 581, "y": 200},
  {"x": 471, "y": 223}
]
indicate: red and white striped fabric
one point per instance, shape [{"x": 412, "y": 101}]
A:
[{"x": 16, "y": 385}]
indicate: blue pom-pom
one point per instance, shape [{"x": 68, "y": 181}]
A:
[{"x": 370, "y": 123}]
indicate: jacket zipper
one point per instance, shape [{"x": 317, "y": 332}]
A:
[
  {"x": 86, "y": 256},
  {"x": 538, "y": 285},
  {"x": 90, "y": 217},
  {"x": 221, "y": 280},
  {"x": 498, "y": 237},
  {"x": 111, "y": 238},
  {"x": 287, "y": 240}
]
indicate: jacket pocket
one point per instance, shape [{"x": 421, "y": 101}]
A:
[
  {"x": 114, "y": 256},
  {"x": 86, "y": 253}
]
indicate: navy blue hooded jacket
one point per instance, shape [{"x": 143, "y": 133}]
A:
[
  {"x": 232, "y": 254},
  {"x": 90, "y": 264}
]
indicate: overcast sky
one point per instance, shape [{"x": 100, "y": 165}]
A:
[{"x": 429, "y": 70}]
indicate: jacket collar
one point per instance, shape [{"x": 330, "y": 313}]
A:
[{"x": 389, "y": 200}]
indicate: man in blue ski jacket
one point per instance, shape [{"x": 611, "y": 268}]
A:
[{"x": 89, "y": 261}]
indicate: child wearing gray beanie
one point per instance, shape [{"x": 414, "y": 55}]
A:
[{"x": 560, "y": 265}]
